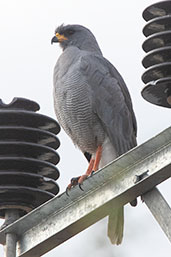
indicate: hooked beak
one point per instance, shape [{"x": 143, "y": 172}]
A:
[
  {"x": 58, "y": 38},
  {"x": 54, "y": 40}
]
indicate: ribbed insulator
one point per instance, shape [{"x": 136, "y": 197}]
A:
[
  {"x": 157, "y": 77},
  {"x": 27, "y": 156}
]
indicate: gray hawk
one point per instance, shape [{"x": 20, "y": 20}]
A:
[{"x": 93, "y": 106}]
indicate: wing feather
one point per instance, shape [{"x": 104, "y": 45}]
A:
[{"x": 111, "y": 101}]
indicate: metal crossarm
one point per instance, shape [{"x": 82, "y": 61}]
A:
[
  {"x": 160, "y": 210},
  {"x": 131, "y": 175}
]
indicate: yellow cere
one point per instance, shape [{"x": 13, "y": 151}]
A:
[{"x": 61, "y": 37}]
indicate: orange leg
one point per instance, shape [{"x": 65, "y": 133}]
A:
[
  {"x": 98, "y": 158},
  {"x": 93, "y": 166},
  {"x": 80, "y": 179},
  {"x": 88, "y": 172}
]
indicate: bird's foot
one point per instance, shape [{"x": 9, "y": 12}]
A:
[
  {"x": 81, "y": 180},
  {"x": 76, "y": 181},
  {"x": 93, "y": 167},
  {"x": 73, "y": 183}
]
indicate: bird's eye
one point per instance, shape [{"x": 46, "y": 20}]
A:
[{"x": 70, "y": 31}]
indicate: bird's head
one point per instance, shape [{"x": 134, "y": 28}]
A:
[{"x": 75, "y": 35}]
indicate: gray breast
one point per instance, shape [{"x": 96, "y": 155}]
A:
[{"x": 73, "y": 100}]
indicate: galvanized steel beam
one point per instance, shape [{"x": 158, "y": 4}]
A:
[
  {"x": 120, "y": 182},
  {"x": 160, "y": 210}
]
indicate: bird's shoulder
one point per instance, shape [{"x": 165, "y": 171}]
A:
[
  {"x": 105, "y": 78},
  {"x": 92, "y": 63},
  {"x": 112, "y": 101},
  {"x": 98, "y": 66}
]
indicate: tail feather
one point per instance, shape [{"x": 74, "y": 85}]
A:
[{"x": 116, "y": 225}]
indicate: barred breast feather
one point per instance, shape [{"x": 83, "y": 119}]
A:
[{"x": 73, "y": 100}]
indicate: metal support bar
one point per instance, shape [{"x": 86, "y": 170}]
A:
[
  {"x": 63, "y": 217},
  {"x": 160, "y": 210},
  {"x": 11, "y": 240},
  {"x": 11, "y": 215}
]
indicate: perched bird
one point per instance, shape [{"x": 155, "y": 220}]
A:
[{"x": 93, "y": 105}]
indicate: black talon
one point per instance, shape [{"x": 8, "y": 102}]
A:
[
  {"x": 92, "y": 173},
  {"x": 74, "y": 182},
  {"x": 67, "y": 190},
  {"x": 80, "y": 186}
]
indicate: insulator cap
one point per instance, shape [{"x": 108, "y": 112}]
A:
[
  {"x": 27, "y": 156},
  {"x": 157, "y": 77}
]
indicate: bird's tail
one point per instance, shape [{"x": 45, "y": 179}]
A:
[{"x": 116, "y": 225}]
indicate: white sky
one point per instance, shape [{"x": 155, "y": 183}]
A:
[{"x": 26, "y": 68}]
